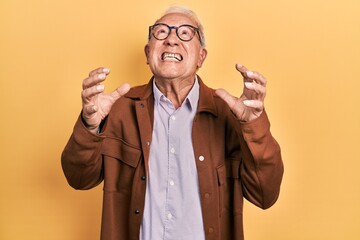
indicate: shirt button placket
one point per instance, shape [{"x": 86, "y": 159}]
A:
[{"x": 172, "y": 149}]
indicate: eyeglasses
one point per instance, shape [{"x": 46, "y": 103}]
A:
[{"x": 185, "y": 32}]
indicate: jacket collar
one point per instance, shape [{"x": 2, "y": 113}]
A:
[
  {"x": 207, "y": 99},
  {"x": 206, "y": 96}
]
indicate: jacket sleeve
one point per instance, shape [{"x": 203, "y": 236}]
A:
[
  {"x": 81, "y": 159},
  {"x": 261, "y": 168}
]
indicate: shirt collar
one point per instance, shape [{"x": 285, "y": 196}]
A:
[{"x": 191, "y": 99}]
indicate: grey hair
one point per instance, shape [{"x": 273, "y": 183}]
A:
[{"x": 190, "y": 14}]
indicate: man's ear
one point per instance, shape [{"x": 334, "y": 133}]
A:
[
  {"x": 203, "y": 54},
  {"x": 147, "y": 50}
]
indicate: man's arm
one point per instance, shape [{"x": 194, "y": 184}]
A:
[
  {"x": 81, "y": 159},
  {"x": 262, "y": 168}
]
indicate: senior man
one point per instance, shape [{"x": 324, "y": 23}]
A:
[{"x": 177, "y": 157}]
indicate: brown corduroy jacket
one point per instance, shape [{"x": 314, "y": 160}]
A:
[{"x": 234, "y": 160}]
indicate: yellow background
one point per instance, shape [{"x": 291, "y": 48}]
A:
[{"x": 309, "y": 51}]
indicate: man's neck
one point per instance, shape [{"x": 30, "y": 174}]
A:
[{"x": 175, "y": 90}]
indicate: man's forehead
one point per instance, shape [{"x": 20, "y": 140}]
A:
[{"x": 176, "y": 19}]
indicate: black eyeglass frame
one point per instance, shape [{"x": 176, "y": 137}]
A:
[{"x": 197, "y": 30}]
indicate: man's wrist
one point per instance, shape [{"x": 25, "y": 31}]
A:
[{"x": 92, "y": 129}]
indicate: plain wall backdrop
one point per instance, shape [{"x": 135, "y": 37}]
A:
[{"x": 309, "y": 51}]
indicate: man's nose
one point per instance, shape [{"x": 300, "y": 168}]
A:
[{"x": 172, "y": 39}]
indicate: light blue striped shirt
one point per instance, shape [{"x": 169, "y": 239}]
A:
[{"x": 172, "y": 203}]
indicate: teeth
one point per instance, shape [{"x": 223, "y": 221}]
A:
[{"x": 172, "y": 56}]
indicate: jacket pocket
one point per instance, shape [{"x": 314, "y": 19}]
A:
[
  {"x": 221, "y": 175},
  {"x": 120, "y": 162},
  {"x": 228, "y": 180}
]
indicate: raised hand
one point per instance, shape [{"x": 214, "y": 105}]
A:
[
  {"x": 250, "y": 104},
  {"x": 96, "y": 103}
]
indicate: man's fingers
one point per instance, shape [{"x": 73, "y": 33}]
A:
[
  {"x": 260, "y": 90},
  {"x": 121, "y": 91},
  {"x": 247, "y": 75},
  {"x": 91, "y": 92},
  {"x": 99, "y": 70},
  {"x": 250, "y": 76},
  {"x": 257, "y": 104},
  {"x": 257, "y": 77},
  {"x": 95, "y": 77},
  {"x": 242, "y": 69},
  {"x": 93, "y": 80},
  {"x": 228, "y": 98},
  {"x": 88, "y": 110}
]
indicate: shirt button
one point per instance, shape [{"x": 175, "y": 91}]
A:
[
  {"x": 173, "y": 118},
  {"x": 201, "y": 158},
  {"x": 172, "y": 183},
  {"x": 172, "y": 150},
  {"x": 169, "y": 216}
]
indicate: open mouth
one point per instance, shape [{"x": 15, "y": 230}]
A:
[{"x": 174, "y": 56}]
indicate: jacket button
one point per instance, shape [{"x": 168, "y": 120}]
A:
[
  {"x": 201, "y": 158},
  {"x": 137, "y": 211},
  {"x": 143, "y": 178},
  {"x": 142, "y": 105},
  {"x": 211, "y": 230}
]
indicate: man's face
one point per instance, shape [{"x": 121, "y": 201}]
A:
[{"x": 189, "y": 56}]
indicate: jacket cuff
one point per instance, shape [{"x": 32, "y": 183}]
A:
[
  {"x": 82, "y": 135},
  {"x": 256, "y": 129}
]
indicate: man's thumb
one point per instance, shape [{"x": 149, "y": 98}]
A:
[
  {"x": 121, "y": 91},
  {"x": 224, "y": 95}
]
